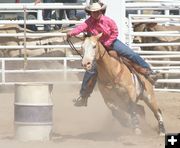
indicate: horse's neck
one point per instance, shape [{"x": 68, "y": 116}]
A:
[{"x": 107, "y": 65}]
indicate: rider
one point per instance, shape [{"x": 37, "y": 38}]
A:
[{"x": 99, "y": 23}]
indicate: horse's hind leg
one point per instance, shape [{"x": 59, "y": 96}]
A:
[{"x": 152, "y": 104}]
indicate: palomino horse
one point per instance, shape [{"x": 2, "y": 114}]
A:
[{"x": 117, "y": 85}]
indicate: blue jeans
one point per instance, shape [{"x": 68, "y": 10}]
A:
[
  {"x": 71, "y": 13},
  {"x": 47, "y": 14},
  {"x": 89, "y": 81},
  {"x": 127, "y": 52},
  {"x": 123, "y": 50}
]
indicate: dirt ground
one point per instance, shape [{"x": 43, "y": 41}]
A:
[{"x": 92, "y": 126}]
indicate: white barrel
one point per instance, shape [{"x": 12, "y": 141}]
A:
[{"x": 33, "y": 109}]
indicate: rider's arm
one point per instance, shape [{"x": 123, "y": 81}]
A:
[
  {"x": 114, "y": 32},
  {"x": 81, "y": 28}
]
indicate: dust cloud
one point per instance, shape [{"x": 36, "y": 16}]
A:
[{"x": 87, "y": 127}]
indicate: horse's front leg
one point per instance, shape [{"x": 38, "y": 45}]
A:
[
  {"x": 134, "y": 118},
  {"x": 132, "y": 106},
  {"x": 112, "y": 102}
]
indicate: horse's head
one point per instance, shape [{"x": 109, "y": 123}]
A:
[
  {"x": 90, "y": 51},
  {"x": 142, "y": 27}
]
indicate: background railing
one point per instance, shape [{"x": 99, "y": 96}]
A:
[
  {"x": 167, "y": 62},
  {"x": 13, "y": 71},
  {"x": 153, "y": 6}
]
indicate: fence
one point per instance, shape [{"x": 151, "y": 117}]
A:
[
  {"x": 149, "y": 7},
  {"x": 153, "y": 6},
  {"x": 39, "y": 66},
  {"x": 22, "y": 70},
  {"x": 160, "y": 58}
]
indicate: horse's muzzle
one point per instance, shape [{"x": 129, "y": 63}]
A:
[{"x": 87, "y": 65}]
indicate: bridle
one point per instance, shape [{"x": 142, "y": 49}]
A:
[{"x": 75, "y": 49}]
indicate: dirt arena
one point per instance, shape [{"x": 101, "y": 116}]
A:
[{"x": 91, "y": 126}]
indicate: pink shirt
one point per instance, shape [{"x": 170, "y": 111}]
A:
[{"x": 104, "y": 25}]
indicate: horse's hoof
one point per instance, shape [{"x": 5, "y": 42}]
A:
[
  {"x": 162, "y": 130},
  {"x": 137, "y": 131}
]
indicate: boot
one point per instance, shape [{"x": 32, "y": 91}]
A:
[
  {"x": 152, "y": 76},
  {"x": 80, "y": 101}
]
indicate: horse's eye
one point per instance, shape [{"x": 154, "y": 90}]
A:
[
  {"x": 82, "y": 46},
  {"x": 94, "y": 46}
]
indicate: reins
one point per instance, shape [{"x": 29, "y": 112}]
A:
[
  {"x": 118, "y": 77},
  {"x": 73, "y": 47},
  {"x": 101, "y": 56}
]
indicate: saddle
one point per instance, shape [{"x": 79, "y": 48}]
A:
[{"x": 133, "y": 67}]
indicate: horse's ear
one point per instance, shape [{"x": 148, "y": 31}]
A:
[
  {"x": 98, "y": 36},
  {"x": 87, "y": 34}
]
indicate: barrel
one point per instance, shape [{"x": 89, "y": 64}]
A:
[{"x": 33, "y": 109}]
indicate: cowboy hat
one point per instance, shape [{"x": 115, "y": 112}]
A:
[{"x": 95, "y": 7}]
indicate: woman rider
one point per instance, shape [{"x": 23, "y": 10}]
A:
[{"x": 99, "y": 23}]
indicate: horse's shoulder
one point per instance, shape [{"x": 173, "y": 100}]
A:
[{"x": 113, "y": 53}]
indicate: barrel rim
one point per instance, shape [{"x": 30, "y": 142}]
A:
[
  {"x": 33, "y": 104},
  {"x": 32, "y": 83},
  {"x": 32, "y": 123}
]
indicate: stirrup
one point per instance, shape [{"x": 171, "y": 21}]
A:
[
  {"x": 80, "y": 101},
  {"x": 151, "y": 80}
]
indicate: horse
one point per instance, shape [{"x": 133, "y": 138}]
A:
[{"x": 117, "y": 85}]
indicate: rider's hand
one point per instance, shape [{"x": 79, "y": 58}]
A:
[{"x": 68, "y": 35}]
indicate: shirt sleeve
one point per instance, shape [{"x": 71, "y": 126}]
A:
[
  {"x": 114, "y": 33},
  {"x": 82, "y": 27}
]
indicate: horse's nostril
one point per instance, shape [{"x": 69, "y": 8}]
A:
[{"x": 88, "y": 63}]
